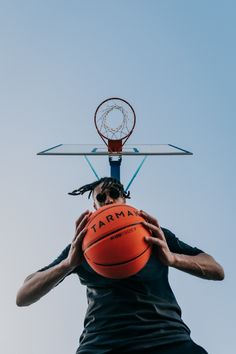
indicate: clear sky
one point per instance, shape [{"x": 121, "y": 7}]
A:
[{"x": 174, "y": 61}]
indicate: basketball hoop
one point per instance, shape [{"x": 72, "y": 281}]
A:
[{"x": 115, "y": 121}]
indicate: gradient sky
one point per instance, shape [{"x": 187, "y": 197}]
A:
[{"x": 174, "y": 61}]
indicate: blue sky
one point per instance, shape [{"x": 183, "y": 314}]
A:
[{"x": 174, "y": 61}]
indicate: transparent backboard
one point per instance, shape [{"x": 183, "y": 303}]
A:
[{"x": 101, "y": 150}]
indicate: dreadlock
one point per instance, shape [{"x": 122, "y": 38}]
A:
[{"x": 107, "y": 182}]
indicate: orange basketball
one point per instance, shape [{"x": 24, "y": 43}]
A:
[{"x": 114, "y": 244}]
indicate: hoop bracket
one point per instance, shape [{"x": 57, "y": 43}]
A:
[{"x": 115, "y": 145}]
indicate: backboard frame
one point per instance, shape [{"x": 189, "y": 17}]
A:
[{"x": 101, "y": 150}]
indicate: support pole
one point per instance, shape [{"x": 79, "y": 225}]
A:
[
  {"x": 91, "y": 166},
  {"x": 115, "y": 163},
  {"x": 135, "y": 174}
]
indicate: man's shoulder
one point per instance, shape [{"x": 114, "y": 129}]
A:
[
  {"x": 167, "y": 232},
  {"x": 178, "y": 246},
  {"x": 65, "y": 251}
]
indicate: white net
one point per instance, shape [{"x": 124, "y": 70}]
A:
[{"x": 115, "y": 119}]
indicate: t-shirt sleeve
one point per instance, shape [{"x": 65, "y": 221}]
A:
[
  {"x": 58, "y": 260},
  {"x": 177, "y": 246}
]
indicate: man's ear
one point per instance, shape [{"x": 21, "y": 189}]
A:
[{"x": 94, "y": 205}]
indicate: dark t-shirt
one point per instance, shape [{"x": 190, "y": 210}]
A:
[{"x": 135, "y": 313}]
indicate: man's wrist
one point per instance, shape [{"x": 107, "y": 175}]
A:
[
  {"x": 175, "y": 260},
  {"x": 65, "y": 267}
]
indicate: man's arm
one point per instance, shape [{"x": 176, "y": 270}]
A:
[
  {"x": 40, "y": 283},
  {"x": 201, "y": 265}
]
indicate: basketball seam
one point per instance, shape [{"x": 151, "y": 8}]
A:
[
  {"x": 110, "y": 233},
  {"x": 116, "y": 264}
]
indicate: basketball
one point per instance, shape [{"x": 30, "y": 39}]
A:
[{"x": 114, "y": 244}]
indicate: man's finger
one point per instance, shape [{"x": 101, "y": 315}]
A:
[
  {"x": 149, "y": 218},
  {"x": 83, "y": 222},
  {"x": 156, "y": 230},
  {"x": 78, "y": 221},
  {"x": 80, "y": 237},
  {"x": 154, "y": 241},
  {"x": 81, "y": 225}
]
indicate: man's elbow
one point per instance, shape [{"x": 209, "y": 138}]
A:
[
  {"x": 23, "y": 294},
  {"x": 22, "y": 300},
  {"x": 217, "y": 272},
  {"x": 19, "y": 301},
  {"x": 220, "y": 274}
]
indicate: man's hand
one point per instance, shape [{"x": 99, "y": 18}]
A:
[
  {"x": 75, "y": 255},
  {"x": 202, "y": 265},
  {"x": 158, "y": 239}
]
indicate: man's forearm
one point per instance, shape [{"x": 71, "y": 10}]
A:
[
  {"x": 40, "y": 283},
  {"x": 202, "y": 265}
]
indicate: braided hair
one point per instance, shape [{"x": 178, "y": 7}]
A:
[{"x": 107, "y": 182}]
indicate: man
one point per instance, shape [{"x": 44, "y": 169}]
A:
[{"x": 138, "y": 314}]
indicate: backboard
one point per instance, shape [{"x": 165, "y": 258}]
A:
[{"x": 127, "y": 150}]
